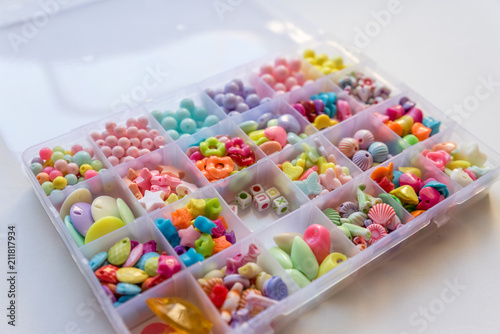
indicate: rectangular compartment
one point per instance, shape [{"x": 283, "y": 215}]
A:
[
  {"x": 267, "y": 175},
  {"x": 332, "y": 50}
]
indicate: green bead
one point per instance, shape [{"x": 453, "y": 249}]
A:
[
  {"x": 366, "y": 201},
  {"x": 312, "y": 152},
  {"x": 333, "y": 215},
  {"x": 71, "y": 179},
  {"x": 77, "y": 237},
  {"x": 272, "y": 122},
  {"x": 58, "y": 149},
  {"x": 119, "y": 252},
  {"x": 282, "y": 257},
  {"x": 182, "y": 113},
  {"x": 303, "y": 258},
  {"x": 357, "y": 231},
  {"x": 345, "y": 231},
  {"x": 57, "y": 156},
  {"x": 81, "y": 179},
  {"x": 411, "y": 139},
  {"x": 303, "y": 136},
  {"x": 199, "y": 114},
  {"x": 249, "y": 126},
  {"x": 298, "y": 277},
  {"x": 392, "y": 200},
  {"x": 96, "y": 165},
  {"x": 169, "y": 123},
  {"x": 261, "y": 141},
  {"x": 151, "y": 266},
  {"x": 36, "y": 168},
  {"x": 410, "y": 207},
  {"x": 47, "y": 187},
  {"x": 158, "y": 115},
  {"x": 187, "y": 104},
  {"x": 204, "y": 245},
  {"x": 212, "y": 208}
]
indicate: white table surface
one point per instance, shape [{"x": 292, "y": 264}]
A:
[{"x": 440, "y": 49}]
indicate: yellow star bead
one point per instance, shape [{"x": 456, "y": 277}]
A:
[
  {"x": 323, "y": 121},
  {"x": 412, "y": 170},
  {"x": 293, "y": 172},
  {"x": 196, "y": 207},
  {"x": 171, "y": 199}
]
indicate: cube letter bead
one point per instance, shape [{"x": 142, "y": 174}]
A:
[
  {"x": 243, "y": 199},
  {"x": 261, "y": 202},
  {"x": 256, "y": 189},
  {"x": 273, "y": 193},
  {"x": 234, "y": 208},
  {"x": 280, "y": 205}
]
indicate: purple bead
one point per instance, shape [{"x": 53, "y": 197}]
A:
[
  {"x": 406, "y": 103},
  {"x": 347, "y": 208},
  {"x": 180, "y": 249},
  {"x": 149, "y": 247},
  {"x": 368, "y": 222},
  {"x": 233, "y": 113},
  {"x": 242, "y": 107},
  {"x": 81, "y": 217},
  {"x": 275, "y": 288},
  {"x": 133, "y": 244},
  {"x": 219, "y": 99},
  {"x": 289, "y": 123},
  {"x": 264, "y": 100},
  {"x": 239, "y": 99},
  {"x": 239, "y": 317},
  {"x": 227, "y": 111},
  {"x": 210, "y": 92},
  {"x": 37, "y": 159},
  {"x": 229, "y": 101},
  {"x": 109, "y": 293},
  {"x": 247, "y": 90},
  {"x": 263, "y": 119},
  {"x": 230, "y": 237},
  {"x": 231, "y": 87},
  {"x": 239, "y": 83},
  {"x": 253, "y": 100},
  {"x": 319, "y": 106},
  {"x": 218, "y": 91},
  {"x": 230, "y": 280}
]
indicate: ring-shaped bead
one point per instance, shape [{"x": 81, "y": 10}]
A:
[
  {"x": 219, "y": 167},
  {"x": 212, "y": 146}
]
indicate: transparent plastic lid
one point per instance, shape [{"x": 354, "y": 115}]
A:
[{"x": 64, "y": 67}]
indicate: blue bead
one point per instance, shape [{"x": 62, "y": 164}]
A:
[
  {"x": 123, "y": 299},
  {"x": 204, "y": 224},
  {"x": 169, "y": 123},
  {"x": 98, "y": 260},
  {"x": 311, "y": 185},
  {"x": 432, "y": 124},
  {"x": 127, "y": 289},
  {"x": 173, "y": 134},
  {"x": 182, "y": 113},
  {"x": 188, "y": 125},
  {"x": 210, "y": 120},
  {"x": 379, "y": 151},
  {"x": 191, "y": 257},
  {"x": 442, "y": 188},
  {"x": 142, "y": 261},
  {"x": 395, "y": 178},
  {"x": 199, "y": 114},
  {"x": 158, "y": 115},
  {"x": 187, "y": 104},
  {"x": 168, "y": 230}
]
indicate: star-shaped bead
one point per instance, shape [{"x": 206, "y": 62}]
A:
[
  {"x": 189, "y": 236},
  {"x": 152, "y": 200}
]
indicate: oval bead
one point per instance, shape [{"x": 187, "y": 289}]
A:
[
  {"x": 303, "y": 258},
  {"x": 119, "y": 252},
  {"x": 282, "y": 257},
  {"x": 330, "y": 262},
  {"x": 104, "y": 206},
  {"x": 98, "y": 260},
  {"x": 127, "y": 289},
  {"x": 151, "y": 266}
]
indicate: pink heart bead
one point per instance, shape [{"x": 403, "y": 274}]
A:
[
  {"x": 428, "y": 198},
  {"x": 439, "y": 158},
  {"x": 317, "y": 237}
]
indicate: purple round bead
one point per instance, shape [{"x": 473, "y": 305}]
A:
[
  {"x": 231, "y": 87},
  {"x": 210, "y": 92},
  {"x": 229, "y": 101},
  {"x": 247, "y": 90},
  {"x": 253, "y": 100},
  {"x": 242, "y": 107},
  {"x": 219, "y": 99}
]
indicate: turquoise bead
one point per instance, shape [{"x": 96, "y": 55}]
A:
[
  {"x": 168, "y": 230},
  {"x": 199, "y": 114},
  {"x": 57, "y": 156},
  {"x": 158, "y": 115},
  {"x": 432, "y": 124},
  {"x": 127, "y": 289},
  {"x": 168, "y": 113},
  {"x": 210, "y": 120},
  {"x": 395, "y": 178},
  {"x": 36, "y": 168},
  {"x": 47, "y": 187},
  {"x": 123, "y": 299},
  {"x": 204, "y": 224},
  {"x": 82, "y": 157},
  {"x": 184, "y": 135},
  {"x": 173, "y": 134},
  {"x": 188, "y": 125},
  {"x": 77, "y": 237},
  {"x": 169, "y": 123},
  {"x": 187, "y": 104},
  {"x": 98, "y": 260},
  {"x": 249, "y": 126},
  {"x": 182, "y": 113},
  {"x": 191, "y": 257},
  {"x": 96, "y": 165}
]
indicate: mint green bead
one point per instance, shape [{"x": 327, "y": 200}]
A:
[
  {"x": 71, "y": 179},
  {"x": 188, "y": 125},
  {"x": 187, "y": 104},
  {"x": 58, "y": 149},
  {"x": 272, "y": 122},
  {"x": 249, "y": 126},
  {"x": 158, "y": 115},
  {"x": 346, "y": 171},
  {"x": 57, "y": 156},
  {"x": 303, "y": 136},
  {"x": 47, "y": 187},
  {"x": 81, "y": 158},
  {"x": 410, "y": 139},
  {"x": 173, "y": 134},
  {"x": 55, "y": 191},
  {"x": 102, "y": 170},
  {"x": 169, "y": 123},
  {"x": 68, "y": 158},
  {"x": 210, "y": 120},
  {"x": 199, "y": 114},
  {"x": 36, "y": 168},
  {"x": 182, "y": 113},
  {"x": 96, "y": 165},
  {"x": 81, "y": 179}
]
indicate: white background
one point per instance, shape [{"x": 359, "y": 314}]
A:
[{"x": 440, "y": 49}]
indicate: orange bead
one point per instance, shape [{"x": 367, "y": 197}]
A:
[
  {"x": 223, "y": 221},
  {"x": 396, "y": 127},
  {"x": 181, "y": 218},
  {"x": 201, "y": 164},
  {"x": 417, "y": 213},
  {"x": 132, "y": 174},
  {"x": 448, "y": 146},
  {"x": 381, "y": 172},
  {"x": 219, "y": 167},
  {"x": 134, "y": 188},
  {"x": 220, "y": 244},
  {"x": 42, "y": 177},
  {"x": 420, "y": 131}
]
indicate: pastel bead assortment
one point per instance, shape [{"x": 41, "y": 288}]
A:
[
  {"x": 129, "y": 268},
  {"x": 363, "y": 150},
  {"x": 88, "y": 218},
  {"x": 125, "y": 143},
  {"x": 284, "y": 75},
  {"x": 315, "y": 171},
  {"x": 196, "y": 230},
  {"x": 221, "y": 156},
  {"x": 263, "y": 199},
  {"x": 242, "y": 289},
  {"x": 56, "y": 168},
  {"x": 236, "y": 97},
  {"x": 364, "y": 88},
  {"x": 408, "y": 121},
  {"x": 324, "y": 110},
  {"x": 324, "y": 64}
]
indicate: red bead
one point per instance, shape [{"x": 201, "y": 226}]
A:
[
  {"x": 218, "y": 294},
  {"x": 107, "y": 274},
  {"x": 385, "y": 184}
]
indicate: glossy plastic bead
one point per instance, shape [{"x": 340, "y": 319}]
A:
[{"x": 303, "y": 258}]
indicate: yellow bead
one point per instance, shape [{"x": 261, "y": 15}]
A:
[
  {"x": 323, "y": 165},
  {"x": 330, "y": 262},
  {"x": 329, "y": 63},
  {"x": 48, "y": 163},
  {"x": 196, "y": 207},
  {"x": 323, "y": 121},
  {"x": 67, "y": 152},
  {"x": 261, "y": 140},
  {"x": 318, "y": 67},
  {"x": 171, "y": 199},
  {"x": 309, "y": 53},
  {"x": 454, "y": 164},
  {"x": 321, "y": 58},
  {"x": 312, "y": 61},
  {"x": 414, "y": 170},
  {"x": 84, "y": 168},
  {"x": 102, "y": 227},
  {"x": 406, "y": 123},
  {"x": 301, "y": 163},
  {"x": 131, "y": 275},
  {"x": 326, "y": 70},
  {"x": 293, "y": 172},
  {"x": 406, "y": 195},
  {"x": 59, "y": 183},
  {"x": 339, "y": 62},
  {"x": 256, "y": 135}
]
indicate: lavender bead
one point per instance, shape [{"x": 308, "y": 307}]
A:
[
  {"x": 229, "y": 101},
  {"x": 230, "y": 237},
  {"x": 264, "y": 100},
  {"x": 247, "y": 90},
  {"x": 368, "y": 222},
  {"x": 210, "y": 92},
  {"x": 239, "y": 99},
  {"x": 263, "y": 119},
  {"x": 233, "y": 113},
  {"x": 275, "y": 288},
  {"x": 109, "y": 293},
  {"x": 239, "y": 83},
  {"x": 218, "y": 91},
  {"x": 319, "y": 106},
  {"x": 219, "y": 99},
  {"x": 81, "y": 217},
  {"x": 253, "y": 100},
  {"x": 347, "y": 208},
  {"x": 231, "y": 87},
  {"x": 180, "y": 249},
  {"x": 230, "y": 280},
  {"x": 289, "y": 123},
  {"x": 242, "y": 107}
]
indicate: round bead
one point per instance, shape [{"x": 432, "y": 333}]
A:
[
  {"x": 54, "y": 174},
  {"x": 173, "y": 134},
  {"x": 142, "y": 122},
  {"x": 199, "y": 114},
  {"x": 210, "y": 120},
  {"x": 106, "y": 150},
  {"x": 379, "y": 151},
  {"x": 267, "y": 69},
  {"x": 187, "y": 104},
  {"x": 136, "y": 142},
  {"x": 89, "y": 151},
  {"x": 101, "y": 142},
  {"x": 294, "y": 64},
  {"x": 71, "y": 179},
  {"x": 229, "y": 101},
  {"x": 36, "y": 168},
  {"x": 120, "y": 131},
  {"x": 90, "y": 173},
  {"x": 146, "y": 143},
  {"x": 57, "y": 156},
  {"x": 84, "y": 168},
  {"x": 113, "y": 160},
  {"x": 96, "y": 165},
  {"x": 159, "y": 141},
  {"x": 42, "y": 177},
  {"x": 95, "y": 135},
  {"x": 124, "y": 142},
  {"x": 110, "y": 126},
  {"x": 47, "y": 187},
  {"x": 279, "y": 87},
  {"x": 61, "y": 165},
  {"x": 82, "y": 157},
  {"x": 142, "y": 134},
  {"x": 118, "y": 151},
  {"x": 252, "y": 100},
  {"x": 268, "y": 79},
  {"x": 188, "y": 125},
  {"x": 281, "y": 72},
  {"x": 153, "y": 133},
  {"x": 363, "y": 159},
  {"x": 111, "y": 141},
  {"x": 143, "y": 151},
  {"x": 72, "y": 168},
  {"x": 76, "y": 148},
  {"x": 242, "y": 107},
  {"x": 57, "y": 149},
  {"x": 219, "y": 98},
  {"x": 182, "y": 113},
  {"x": 365, "y": 138},
  {"x": 60, "y": 183},
  {"x": 132, "y": 132},
  {"x": 133, "y": 151},
  {"x": 231, "y": 87}
]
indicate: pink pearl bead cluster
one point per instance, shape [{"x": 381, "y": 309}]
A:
[
  {"x": 125, "y": 143},
  {"x": 284, "y": 76}
]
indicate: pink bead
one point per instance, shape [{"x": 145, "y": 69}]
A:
[
  {"x": 290, "y": 82},
  {"x": 131, "y": 122},
  {"x": 89, "y": 151},
  {"x": 76, "y": 148},
  {"x": 132, "y": 132},
  {"x": 268, "y": 79},
  {"x": 395, "y": 112},
  {"x": 147, "y": 143},
  {"x": 135, "y": 142},
  {"x": 295, "y": 87},
  {"x": 111, "y": 141},
  {"x": 410, "y": 179},
  {"x": 73, "y": 168},
  {"x": 301, "y": 77},
  {"x": 428, "y": 198},
  {"x": 48, "y": 169},
  {"x": 294, "y": 64},
  {"x": 133, "y": 151},
  {"x": 55, "y": 173},
  {"x": 104, "y": 134},
  {"x": 300, "y": 108},
  {"x": 90, "y": 173},
  {"x": 95, "y": 135},
  {"x": 45, "y": 153},
  {"x": 276, "y": 133},
  {"x": 471, "y": 174},
  {"x": 118, "y": 151},
  {"x": 266, "y": 69},
  {"x": 307, "y": 82},
  {"x": 106, "y": 150},
  {"x": 142, "y": 122},
  {"x": 153, "y": 133},
  {"x": 280, "y": 61},
  {"x": 100, "y": 142},
  {"x": 159, "y": 141},
  {"x": 120, "y": 131},
  {"x": 143, "y": 151},
  {"x": 113, "y": 160},
  {"x": 124, "y": 142},
  {"x": 142, "y": 134},
  {"x": 281, "y": 72},
  {"x": 61, "y": 165},
  {"x": 110, "y": 126},
  {"x": 280, "y": 87},
  {"x": 126, "y": 159},
  {"x": 309, "y": 172},
  {"x": 317, "y": 237}
]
